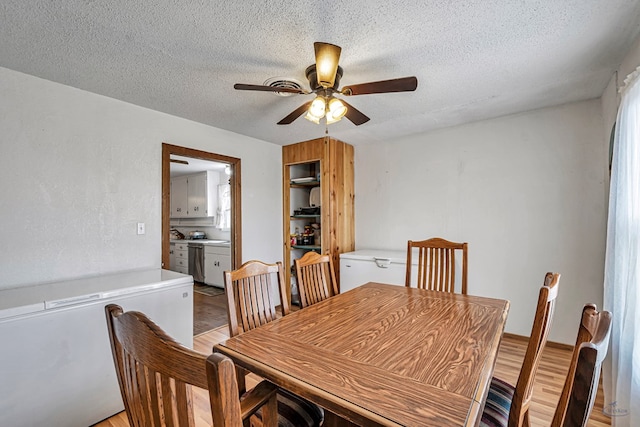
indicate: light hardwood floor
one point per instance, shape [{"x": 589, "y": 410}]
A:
[{"x": 548, "y": 383}]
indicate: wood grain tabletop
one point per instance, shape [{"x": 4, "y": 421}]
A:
[{"x": 383, "y": 354}]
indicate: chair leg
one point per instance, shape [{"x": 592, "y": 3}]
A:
[
  {"x": 270, "y": 412},
  {"x": 269, "y": 415}
]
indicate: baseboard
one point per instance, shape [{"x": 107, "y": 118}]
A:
[{"x": 553, "y": 344}]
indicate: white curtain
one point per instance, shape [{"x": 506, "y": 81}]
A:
[
  {"x": 223, "y": 216},
  {"x": 622, "y": 265}
]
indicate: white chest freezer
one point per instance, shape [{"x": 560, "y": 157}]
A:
[
  {"x": 374, "y": 265},
  {"x": 57, "y": 368}
]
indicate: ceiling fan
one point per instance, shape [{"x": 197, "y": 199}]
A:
[{"x": 324, "y": 79}]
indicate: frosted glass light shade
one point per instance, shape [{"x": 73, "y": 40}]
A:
[
  {"x": 337, "y": 108},
  {"x": 312, "y": 118},
  {"x": 318, "y": 107}
]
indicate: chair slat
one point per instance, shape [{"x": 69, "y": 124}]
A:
[
  {"x": 168, "y": 410},
  {"x": 149, "y": 392},
  {"x": 184, "y": 403}
]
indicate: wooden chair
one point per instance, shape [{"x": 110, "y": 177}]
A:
[
  {"x": 249, "y": 300},
  {"x": 436, "y": 264},
  {"x": 156, "y": 375},
  {"x": 507, "y": 405},
  {"x": 316, "y": 278},
  {"x": 581, "y": 386},
  {"x": 250, "y": 305}
]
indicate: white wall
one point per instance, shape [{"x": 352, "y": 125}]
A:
[
  {"x": 525, "y": 191},
  {"x": 78, "y": 170}
]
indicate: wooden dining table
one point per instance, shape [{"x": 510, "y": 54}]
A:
[{"x": 382, "y": 355}]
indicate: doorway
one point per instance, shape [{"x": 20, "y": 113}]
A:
[{"x": 235, "y": 232}]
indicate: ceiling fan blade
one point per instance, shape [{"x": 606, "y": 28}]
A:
[
  {"x": 295, "y": 114},
  {"x": 241, "y": 86},
  {"x": 327, "y": 58},
  {"x": 355, "y": 115},
  {"x": 403, "y": 84}
]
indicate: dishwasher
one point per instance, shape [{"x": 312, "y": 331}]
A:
[{"x": 196, "y": 261}]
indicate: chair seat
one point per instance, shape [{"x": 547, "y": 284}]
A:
[
  {"x": 294, "y": 411},
  {"x": 496, "y": 409}
]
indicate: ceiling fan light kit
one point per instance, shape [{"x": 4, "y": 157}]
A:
[
  {"x": 332, "y": 109},
  {"x": 324, "y": 78}
]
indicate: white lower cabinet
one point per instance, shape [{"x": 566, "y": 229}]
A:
[
  {"x": 217, "y": 259},
  {"x": 180, "y": 258},
  {"x": 172, "y": 256}
]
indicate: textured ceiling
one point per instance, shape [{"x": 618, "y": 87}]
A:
[{"x": 473, "y": 59}]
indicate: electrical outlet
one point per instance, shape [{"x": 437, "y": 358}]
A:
[{"x": 141, "y": 228}]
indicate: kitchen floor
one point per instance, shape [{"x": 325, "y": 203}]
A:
[{"x": 209, "y": 308}]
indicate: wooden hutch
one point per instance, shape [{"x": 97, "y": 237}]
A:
[{"x": 324, "y": 167}]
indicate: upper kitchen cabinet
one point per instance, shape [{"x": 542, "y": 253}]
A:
[
  {"x": 178, "y": 196},
  {"x": 194, "y": 196},
  {"x": 318, "y": 201}
]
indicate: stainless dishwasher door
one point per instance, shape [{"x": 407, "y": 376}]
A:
[{"x": 196, "y": 261}]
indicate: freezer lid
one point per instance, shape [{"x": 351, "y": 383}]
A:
[
  {"x": 45, "y": 296},
  {"x": 393, "y": 256}
]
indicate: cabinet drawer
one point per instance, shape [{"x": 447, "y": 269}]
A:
[
  {"x": 181, "y": 254},
  {"x": 182, "y": 246},
  {"x": 182, "y": 262}
]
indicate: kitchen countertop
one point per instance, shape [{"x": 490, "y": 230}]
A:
[{"x": 206, "y": 242}]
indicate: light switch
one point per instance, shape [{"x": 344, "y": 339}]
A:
[{"x": 141, "y": 228}]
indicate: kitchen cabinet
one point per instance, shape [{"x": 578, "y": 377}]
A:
[
  {"x": 325, "y": 164},
  {"x": 217, "y": 260},
  {"x": 180, "y": 257},
  {"x": 195, "y": 195},
  {"x": 178, "y": 196},
  {"x": 172, "y": 256}
]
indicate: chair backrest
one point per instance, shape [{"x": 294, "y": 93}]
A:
[
  {"x": 249, "y": 298},
  {"x": 316, "y": 278},
  {"x": 581, "y": 386},
  {"x": 436, "y": 264},
  {"x": 155, "y": 374},
  {"x": 539, "y": 333}
]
